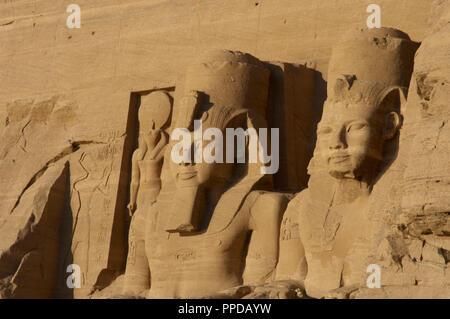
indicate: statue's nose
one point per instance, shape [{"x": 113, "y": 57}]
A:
[{"x": 337, "y": 140}]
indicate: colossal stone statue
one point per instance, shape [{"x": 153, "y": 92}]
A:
[
  {"x": 212, "y": 227},
  {"x": 325, "y": 230}
]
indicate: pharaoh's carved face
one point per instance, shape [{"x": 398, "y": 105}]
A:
[
  {"x": 350, "y": 139},
  {"x": 202, "y": 173}
]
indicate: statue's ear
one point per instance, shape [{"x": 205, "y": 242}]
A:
[
  {"x": 393, "y": 101},
  {"x": 189, "y": 105}
]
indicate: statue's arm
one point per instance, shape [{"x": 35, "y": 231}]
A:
[
  {"x": 135, "y": 180},
  {"x": 262, "y": 255}
]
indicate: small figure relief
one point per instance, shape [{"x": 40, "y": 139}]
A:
[
  {"x": 154, "y": 113},
  {"x": 154, "y": 118},
  {"x": 209, "y": 229}
]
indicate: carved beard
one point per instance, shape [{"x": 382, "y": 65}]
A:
[
  {"x": 362, "y": 169},
  {"x": 357, "y": 161},
  {"x": 187, "y": 210},
  {"x": 349, "y": 167}
]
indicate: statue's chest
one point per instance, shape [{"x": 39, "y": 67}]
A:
[
  {"x": 333, "y": 230},
  {"x": 174, "y": 247},
  {"x": 335, "y": 244},
  {"x": 146, "y": 169},
  {"x": 177, "y": 248}
]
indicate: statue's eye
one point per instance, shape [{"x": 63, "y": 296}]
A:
[
  {"x": 324, "y": 130},
  {"x": 356, "y": 127}
]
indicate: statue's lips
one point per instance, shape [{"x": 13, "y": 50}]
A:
[
  {"x": 337, "y": 159},
  {"x": 186, "y": 175}
]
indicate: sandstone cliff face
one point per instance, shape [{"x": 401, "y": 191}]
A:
[
  {"x": 36, "y": 139},
  {"x": 413, "y": 239},
  {"x": 29, "y": 257},
  {"x": 68, "y": 127}
]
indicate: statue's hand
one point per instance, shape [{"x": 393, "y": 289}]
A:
[
  {"x": 131, "y": 208},
  {"x": 152, "y": 137},
  {"x": 283, "y": 289},
  {"x": 342, "y": 293},
  {"x": 156, "y": 141}
]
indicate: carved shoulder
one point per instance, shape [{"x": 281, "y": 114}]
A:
[{"x": 137, "y": 155}]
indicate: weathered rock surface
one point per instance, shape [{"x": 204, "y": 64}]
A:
[
  {"x": 30, "y": 245},
  {"x": 413, "y": 241},
  {"x": 41, "y": 133}
]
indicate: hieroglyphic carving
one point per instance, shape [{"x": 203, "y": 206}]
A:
[{"x": 94, "y": 181}]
